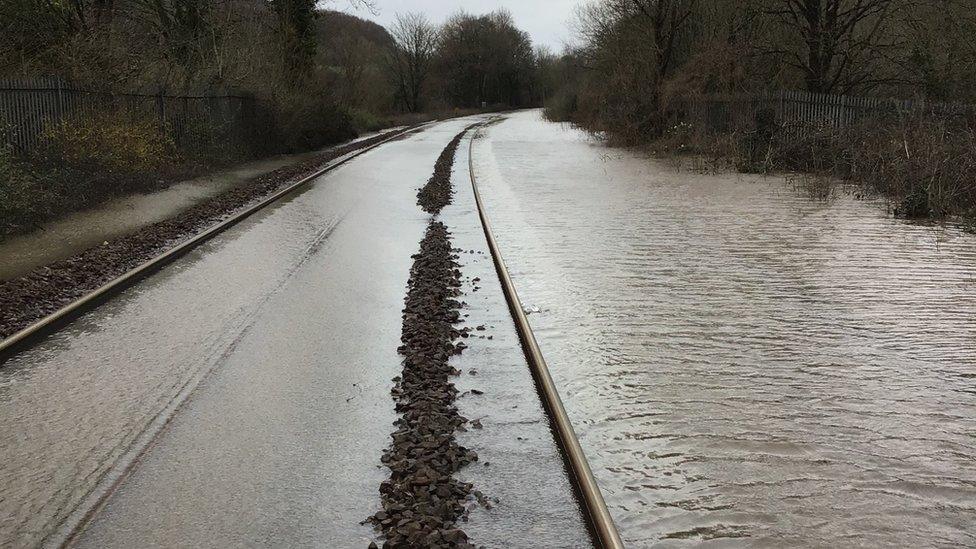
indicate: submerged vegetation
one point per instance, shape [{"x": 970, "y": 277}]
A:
[{"x": 642, "y": 62}]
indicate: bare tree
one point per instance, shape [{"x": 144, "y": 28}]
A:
[
  {"x": 409, "y": 58},
  {"x": 841, "y": 42},
  {"x": 668, "y": 21},
  {"x": 485, "y": 59}
]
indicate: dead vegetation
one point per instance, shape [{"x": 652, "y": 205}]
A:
[{"x": 642, "y": 62}]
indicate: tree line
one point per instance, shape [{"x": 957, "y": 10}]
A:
[
  {"x": 638, "y": 55},
  {"x": 284, "y": 50},
  {"x": 469, "y": 61},
  {"x": 318, "y": 76}
]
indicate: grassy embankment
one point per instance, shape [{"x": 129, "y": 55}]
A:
[{"x": 79, "y": 163}]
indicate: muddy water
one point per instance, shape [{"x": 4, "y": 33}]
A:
[{"x": 746, "y": 367}]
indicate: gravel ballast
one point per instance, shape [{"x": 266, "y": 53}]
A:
[
  {"x": 437, "y": 192},
  {"x": 29, "y": 298},
  {"x": 422, "y": 501}
]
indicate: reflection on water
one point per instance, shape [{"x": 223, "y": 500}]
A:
[{"x": 744, "y": 365}]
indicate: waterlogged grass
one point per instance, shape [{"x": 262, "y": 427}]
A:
[
  {"x": 924, "y": 168},
  {"x": 78, "y": 164}
]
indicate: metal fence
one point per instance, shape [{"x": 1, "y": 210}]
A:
[
  {"x": 28, "y": 107},
  {"x": 795, "y": 112}
]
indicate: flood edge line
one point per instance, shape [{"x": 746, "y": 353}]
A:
[
  {"x": 598, "y": 516},
  {"x": 21, "y": 339}
]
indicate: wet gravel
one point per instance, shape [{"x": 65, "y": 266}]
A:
[
  {"x": 29, "y": 298},
  {"x": 422, "y": 501},
  {"x": 437, "y": 192}
]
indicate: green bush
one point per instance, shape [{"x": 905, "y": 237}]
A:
[{"x": 364, "y": 121}]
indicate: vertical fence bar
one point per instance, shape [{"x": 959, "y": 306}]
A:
[{"x": 20, "y": 117}]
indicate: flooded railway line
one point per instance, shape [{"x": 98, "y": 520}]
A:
[
  {"x": 118, "y": 502},
  {"x": 35, "y": 303},
  {"x": 745, "y": 366}
]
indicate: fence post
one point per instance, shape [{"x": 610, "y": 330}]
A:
[{"x": 781, "y": 111}]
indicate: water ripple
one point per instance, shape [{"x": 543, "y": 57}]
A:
[{"x": 745, "y": 366}]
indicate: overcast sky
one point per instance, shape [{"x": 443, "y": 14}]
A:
[{"x": 547, "y": 21}]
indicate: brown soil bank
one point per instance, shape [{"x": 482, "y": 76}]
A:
[{"x": 29, "y": 298}]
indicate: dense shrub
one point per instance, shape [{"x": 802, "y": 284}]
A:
[
  {"x": 925, "y": 166},
  {"x": 365, "y": 121},
  {"x": 22, "y": 199},
  {"x": 107, "y": 145},
  {"x": 562, "y": 106},
  {"x": 306, "y": 123},
  {"x": 929, "y": 168},
  {"x": 80, "y": 163}
]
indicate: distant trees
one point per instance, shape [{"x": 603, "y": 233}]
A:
[
  {"x": 410, "y": 57},
  {"x": 485, "y": 60},
  {"x": 469, "y": 61},
  {"x": 175, "y": 44},
  {"x": 352, "y": 54},
  {"x": 638, "y": 55},
  {"x": 291, "y": 53}
]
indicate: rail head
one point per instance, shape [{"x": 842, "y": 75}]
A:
[{"x": 595, "y": 507}]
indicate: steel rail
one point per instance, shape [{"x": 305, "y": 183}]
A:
[
  {"x": 600, "y": 520},
  {"x": 43, "y": 326}
]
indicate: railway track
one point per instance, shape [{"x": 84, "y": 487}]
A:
[
  {"x": 26, "y": 336},
  {"x": 588, "y": 491},
  {"x": 597, "y": 517}
]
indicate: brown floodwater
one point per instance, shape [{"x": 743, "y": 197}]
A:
[{"x": 745, "y": 366}]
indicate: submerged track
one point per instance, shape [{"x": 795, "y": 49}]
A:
[
  {"x": 45, "y": 325},
  {"x": 594, "y": 506},
  {"x": 138, "y": 482}
]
